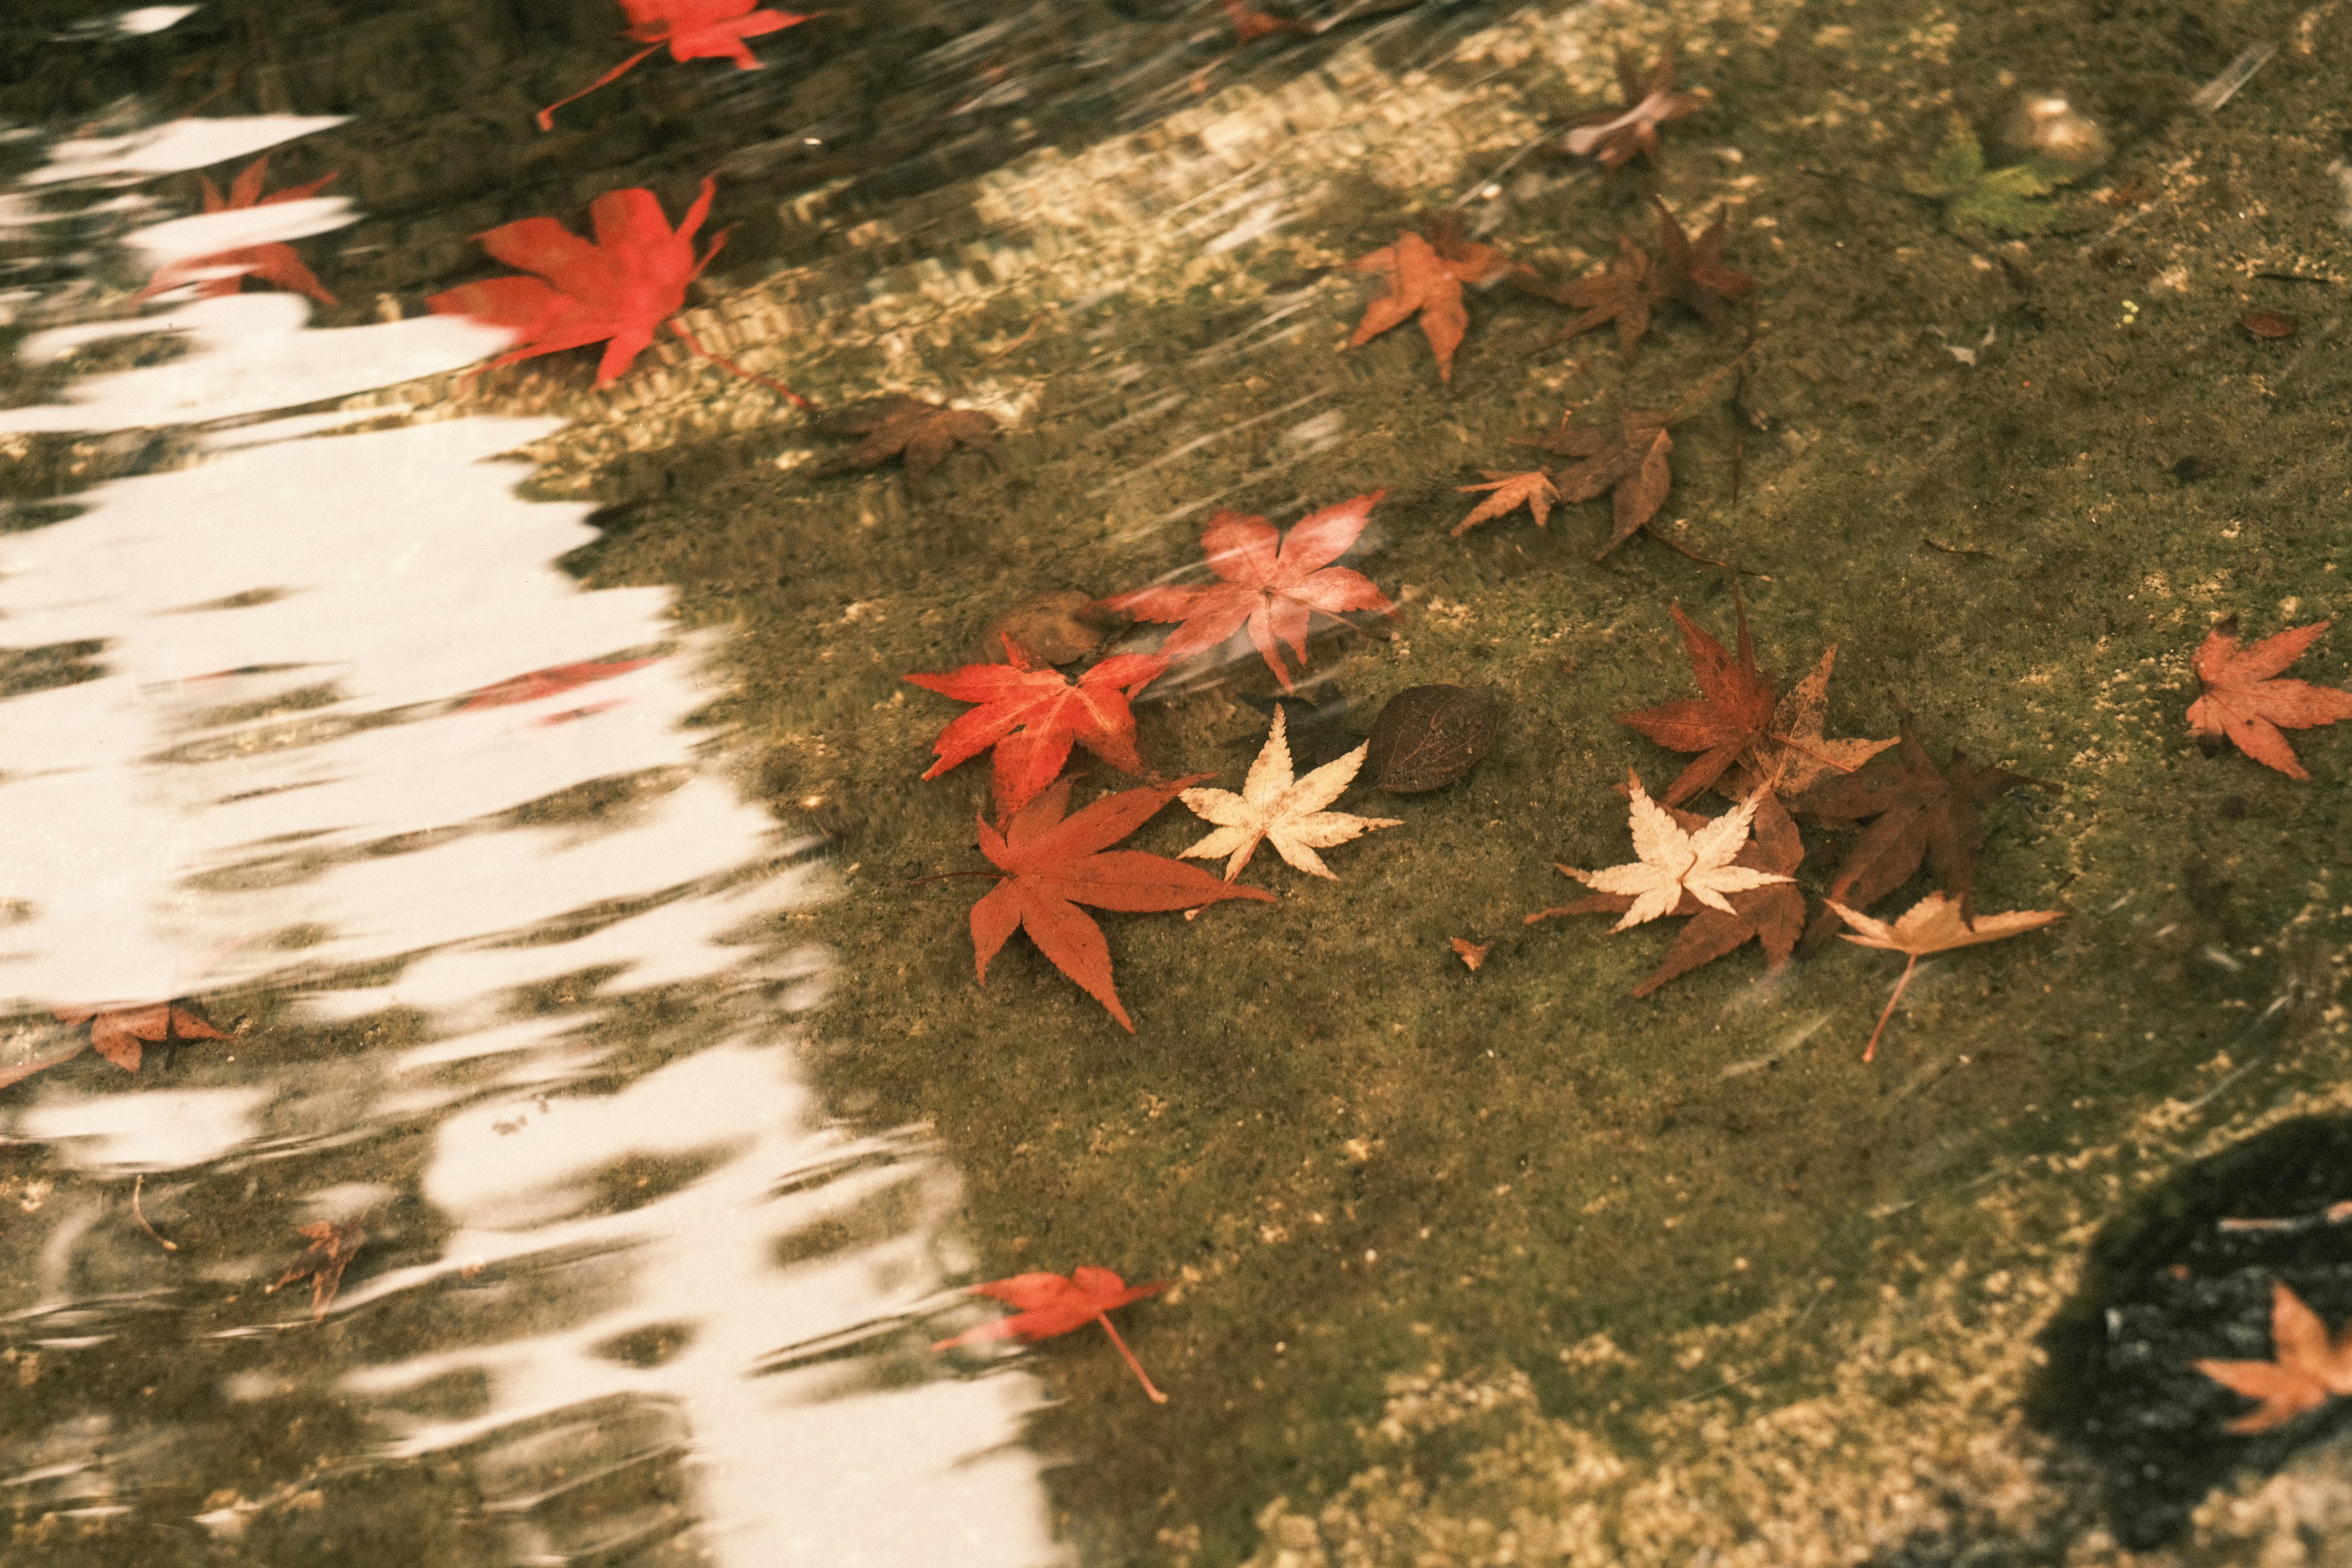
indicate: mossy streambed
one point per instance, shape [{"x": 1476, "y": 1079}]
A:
[{"x": 1496, "y": 1265}]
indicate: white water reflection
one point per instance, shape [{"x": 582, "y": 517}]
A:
[{"x": 343, "y": 693}]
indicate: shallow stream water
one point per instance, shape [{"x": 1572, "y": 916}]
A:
[{"x": 574, "y": 1117}]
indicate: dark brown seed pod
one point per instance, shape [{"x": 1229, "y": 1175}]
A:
[{"x": 1429, "y": 736}]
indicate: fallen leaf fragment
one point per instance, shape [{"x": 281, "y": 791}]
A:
[
  {"x": 330, "y": 1253},
  {"x": 694, "y": 29},
  {"x": 2245, "y": 700},
  {"x": 1920, "y": 814},
  {"x": 1672, "y": 861},
  {"x": 1616, "y": 136},
  {"x": 1934, "y": 924},
  {"x": 1275, "y": 807},
  {"x": 1031, "y": 715},
  {"x": 617, "y": 290},
  {"x": 2308, "y": 1367},
  {"x": 1425, "y": 279},
  {"x": 553, "y": 681},
  {"x": 1773, "y": 915},
  {"x": 1051, "y": 865},
  {"x": 1049, "y": 1304},
  {"x": 1531, "y": 488},
  {"x": 225, "y": 271},
  {"x": 1428, "y": 736},
  {"x": 1471, "y": 953},
  {"x": 916, "y": 429},
  {"x": 1270, "y": 584},
  {"x": 115, "y": 1033},
  {"x": 1250, "y": 25},
  {"x": 2268, "y": 324}
]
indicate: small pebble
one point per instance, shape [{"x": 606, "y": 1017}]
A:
[{"x": 2268, "y": 324}]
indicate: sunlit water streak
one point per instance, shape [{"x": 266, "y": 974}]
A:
[{"x": 306, "y": 766}]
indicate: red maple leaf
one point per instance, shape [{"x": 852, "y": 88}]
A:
[
  {"x": 1031, "y": 713},
  {"x": 1051, "y": 865},
  {"x": 1049, "y": 1305},
  {"x": 548, "y": 682},
  {"x": 271, "y": 263},
  {"x": 2245, "y": 701},
  {"x": 115, "y": 1033},
  {"x": 615, "y": 292},
  {"x": 694, "y": 29},
  {"x": 322, "y": 1263},
  {"x": 1272, "y": 584}
]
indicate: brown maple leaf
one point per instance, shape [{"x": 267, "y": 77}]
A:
[
  {"x": 1425, "y": 278},
  {"x": 1793, "y": 748},
  {"x": 916, "y": 429},
  {"x": 2307, "y": 1370},
  {"x": 1530, "y": 487},
  {"x": 1690, "y": 270},
  {"x": 1617, "y": 136},
  {"x": 1743, "y": 737},
  {"x": 2244, "y": 700},
  {"x": 1773, "y": 915},
  {"x": 330, "y": 1253},
  {"x": 1627, "y": 464},
  {"x": 115, "y": 1033},
  {"x": 1622, "y": 292},
  {"x": 1919, "y": 814}
]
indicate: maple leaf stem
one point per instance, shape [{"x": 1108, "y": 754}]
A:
[
  {"x": 944, "y": 876},
  {"x": 547, "y": 115},
  {"x": 1700, "y": 390},
  {"x": 1134, "y": 1366},
  {"x": 778, "y": 387},
  {"x": 1691, "y": 554},
  {"x": 1872, "y": 1049},
  {"x": 139, "y": 1214}
]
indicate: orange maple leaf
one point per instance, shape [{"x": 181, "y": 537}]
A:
[
  {"x": 1050, "y": 1304},
  {"x": 1531, "y": 488},
  {"x": 2309, "y": 1367},
  {"x": 2245, "y": 701},
  {"x": 115, "y": 1033},
  {"x": 271, "y": 263},
  {"x": 1425, "y": 279}
]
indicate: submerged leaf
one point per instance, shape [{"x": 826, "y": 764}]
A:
[{"x": 1428, "y": 736}]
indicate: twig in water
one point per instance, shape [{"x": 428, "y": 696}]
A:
[{"x": 139, "y": 1214}]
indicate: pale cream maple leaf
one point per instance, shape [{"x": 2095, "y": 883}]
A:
[
  {"x": 1286, "y": 812},
  {"x": 1674, "y": 861}
]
